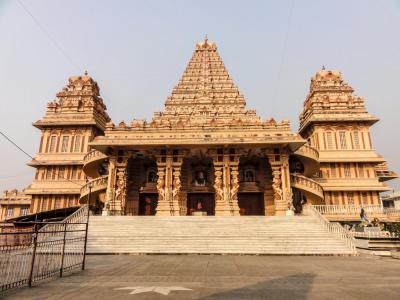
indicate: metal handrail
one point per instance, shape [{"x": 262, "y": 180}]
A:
[{"x": 334, "y": 228}]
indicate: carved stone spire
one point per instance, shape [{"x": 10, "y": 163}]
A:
[{"x": 206, "y": 93}]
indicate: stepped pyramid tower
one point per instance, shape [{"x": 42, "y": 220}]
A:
[
  {"x": 70, "y": 123},
  {"x": 206, "y": 94},
  {"x": 336, "y": 122}
]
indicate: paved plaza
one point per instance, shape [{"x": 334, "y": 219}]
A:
[{"x": 224, "y": 277}]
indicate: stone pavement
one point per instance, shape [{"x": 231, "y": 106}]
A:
[{"x": 224, "y": 277}]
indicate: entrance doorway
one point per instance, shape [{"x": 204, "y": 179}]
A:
[
  {"x": 251, "y": 204},
  {"x": 201, "y": 202},
  {"x": 148, "y": 204}
]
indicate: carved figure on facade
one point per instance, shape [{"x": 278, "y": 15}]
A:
[
  {"x": 276, "y": 185},
  {"x": 176, "y": 185},
  {"x": 219, "y": 193},
  {"x": 234, "y": 184},
  {"x": 161, "y": 185},
  {"x": 120, "y": 192}
]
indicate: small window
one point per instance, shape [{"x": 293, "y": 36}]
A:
[
  {"x": 342, "y": 137},
  {"x": 350, "y": 198},
  {"x": 44, "y": 205},
  {"x": 64, "y": 146},
  {"x": 49, "y": 171},
  {"x": 361, "y": 171},
  {"x": 77, "y": 146},
  {"x": 53, "y": 141},
  {"x": 347, "y": 172},
  {"x": 356, "y": 136},
  {"x": 329, "y": 137},
  {"x": 364, "y": 197},
  {"x": 57, "y": 203},
  {"x": 10, "y": 212},
  {"x": 333, "y": 170},
  {"x": 61, "y": 172},
  {"x": 24, "y": 211},
  {"x": 74, "y": 172}
]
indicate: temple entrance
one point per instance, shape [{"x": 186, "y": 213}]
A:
[
  {"x": 251, "y": 204},
  {"x": 201, "y": 202},
  {"x": 147, "y": 204}
]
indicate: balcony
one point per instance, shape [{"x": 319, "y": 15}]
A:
[
  {"x": 383, "y": 173},
  {"x": 309, "y": 156},
  {"x": 99, "y": 186},
  {"x": 92, "y": 161},
  {"x": 309, "y": 187},
  {"x": 352, "y": 212}
]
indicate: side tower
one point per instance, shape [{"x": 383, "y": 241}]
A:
[
  {"x": 70, "y": 123},
  {"x": 336, "y": 122}
]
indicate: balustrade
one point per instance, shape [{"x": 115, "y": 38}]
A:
[{"x": 334, "y": 228}]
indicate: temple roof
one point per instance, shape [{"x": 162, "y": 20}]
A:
[
  {"x": 79, "y": 103},
  {"x": 206, "y": 95},
  {"x": 206, "y": 107},
  {"x": 331, "y": 99}
]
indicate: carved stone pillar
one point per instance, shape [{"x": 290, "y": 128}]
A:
[
  {"x": 287, "y": 192},
  {"x": 280, "y": 180},
  {"x": 226, "y": 183},
  {"x": 107, "y": 210},
  {"x": 234, "y": 188},
  {"x": 169, "y": 183},
  {"x": 118, "y": 189},
  {"x": 163, "y": 208}
]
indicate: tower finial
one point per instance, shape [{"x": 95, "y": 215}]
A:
[
  {"x": 323, "y": 67},
  {"x": 206, "y": 39},
  {"x": 86, "y": 73}
]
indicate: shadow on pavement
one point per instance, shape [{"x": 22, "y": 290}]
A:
[{"x": 289, "y": 287}]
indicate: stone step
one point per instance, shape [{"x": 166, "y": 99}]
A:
[{"x": 206, "y": 235}]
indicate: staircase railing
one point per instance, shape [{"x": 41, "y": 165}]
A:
[{"x": 334, "y": 228}]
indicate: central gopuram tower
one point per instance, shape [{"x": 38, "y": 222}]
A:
[{"x": 204, "y": 154}]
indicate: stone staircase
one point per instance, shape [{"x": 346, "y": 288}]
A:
[{"x": 286, "y": 235}]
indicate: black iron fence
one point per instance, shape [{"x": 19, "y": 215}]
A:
[{"x": 44, "y": 250}]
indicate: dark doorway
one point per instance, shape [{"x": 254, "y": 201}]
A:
[
  {"x": 201, "y": 202},
  {"x": 148, "y": 204},
  {"x": 251, "y": 204}
]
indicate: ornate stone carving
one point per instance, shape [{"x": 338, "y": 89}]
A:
[
  {"x": 176, "y": 184},
  {"x": 120, "y": 191},
  {"x": 234, "y": 184},
  {"x": 219, "y": 193},
  {"x": 161, "y": 184},
  {"x": 276, "y": 185}
]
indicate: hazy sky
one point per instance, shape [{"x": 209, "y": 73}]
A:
[{"x": 137, "y": 50}]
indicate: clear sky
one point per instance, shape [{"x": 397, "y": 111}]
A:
[{"x": 137, "y": 50}]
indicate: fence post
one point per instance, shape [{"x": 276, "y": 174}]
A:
[
  {"x": 35, "y": 237},
  {"x": 63, "y": 250},
  {"x": 87, "y": 227}
]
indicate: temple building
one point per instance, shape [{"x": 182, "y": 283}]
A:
[
  {"x": 206, "y": 153},
  {"x": 13, "y": 204}
]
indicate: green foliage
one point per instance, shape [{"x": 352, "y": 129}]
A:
[{"x": 394, "y": 228}]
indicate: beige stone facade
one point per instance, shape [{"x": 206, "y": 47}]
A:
[
  {"x": 14, "y": 204},
  {"x": 206, "y": 152},
  {"x": 336, "y": 123}
]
